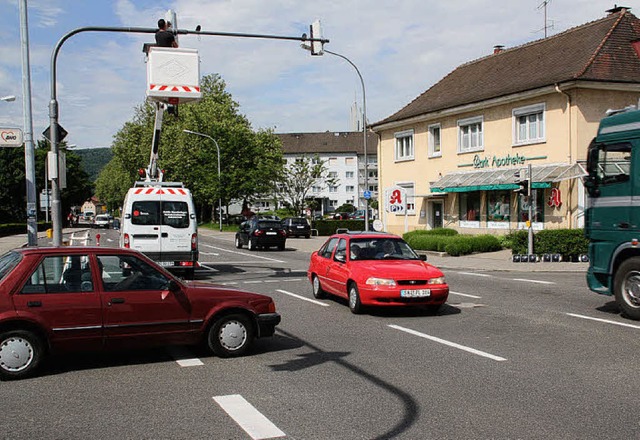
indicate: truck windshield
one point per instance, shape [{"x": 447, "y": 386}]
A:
[{"x": 611, "y": 164}]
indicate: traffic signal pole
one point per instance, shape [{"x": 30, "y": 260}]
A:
[
  {"x": 56, "y": 208},
  {"x": 530, "y": 197}
]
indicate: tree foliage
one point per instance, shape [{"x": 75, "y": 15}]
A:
[
  {"x": 298, "y": 178},
  {"x": 249, "y": 160}
]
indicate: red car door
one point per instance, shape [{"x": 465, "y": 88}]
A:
[
  {"x": 60, "y": 295},
  {"x": 139, "y": 309},
  {"x": 337, "y": 270}
]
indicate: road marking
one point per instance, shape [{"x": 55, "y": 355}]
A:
[
  {"x": 243, "y": 254},
  {"x": 622, "y": 324},
  {"x": 215, "y": 254},
  {"x": 303, "y": 298},
  {"x": 252, "y": 421},
  {"x": 533, "y": 281},
  {"x": 475, "y": 274},
  {"x": 183, "y": 357},
  {"x": 465, "y": 294},
  {"x": 450, "y": 344}
]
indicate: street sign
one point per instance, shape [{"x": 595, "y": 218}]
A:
[
  {"x": 62, "y": 133},
  {"x": 366, "y": 194},
  {"x": 395, "y": 200},
  {"x": 10, "y": 137},
  {"x": 45, "y": 200}
]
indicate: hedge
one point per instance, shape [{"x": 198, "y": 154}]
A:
[
  {"x": 329, "y": 227},
  {"x": 567, "y": 242},
  {"x": 20, "y": 228},
  {"x": 452, "y": 243}
]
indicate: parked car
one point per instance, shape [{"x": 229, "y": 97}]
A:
[
  {"x": 101, "y": 221},
  {"x": 341, "y": 216},
  {"x": 375, "y": 269},
  {"x": 297, "y": 227},
  {"x": 90, "y": 298},
  {"x": 258, "y": 233}
]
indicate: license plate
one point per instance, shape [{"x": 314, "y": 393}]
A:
[
  {"x": 272, "y": 233},
  {"x": 165, "y": 263},
  {"x": 418, "y": 293},
  {"x": 300, "y": 227}
]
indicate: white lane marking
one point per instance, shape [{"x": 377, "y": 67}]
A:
[
  {"x": 475, "y": 274},
  {"x": 204, "y": 266},
  {"x": 243, "y": 254},
  {"x": 450, "y": 344},
  {"x": 533, "y": 281},
  {"x": 465, "y": 294},
  {"x": 622, "y": 324},
  {"x": 215, "y": 254},
  {"x": 183, "y": 357},
  {"x": 248, "y": 417},
  {"x": 253, "y": 282},
  {"x": 303, "y": 298}
]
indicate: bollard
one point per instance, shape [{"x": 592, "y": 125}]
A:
[
  {"x": 49, "y": 233},
  {"x": 97, "y": 239}
]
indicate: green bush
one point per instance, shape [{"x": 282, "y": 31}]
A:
[
  {"x": 566, "y": 242},
  {"x": 453, "y": 244},
  {"x": 426, "y": 242},
  {"x": 459, "y": 245},
  {"x": 437, "y": 231},
  {"x": 329, "y": 227},
  {"x": 485, "y": 243},
  {"x": 518, "y": 241},
  {"x": 20, "y": 228}
]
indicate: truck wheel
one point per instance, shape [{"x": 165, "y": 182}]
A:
[
  {"x": 20, "y": 353},
  {"x": 230, "y": 336},
  {"x": 626, "y": 286}
]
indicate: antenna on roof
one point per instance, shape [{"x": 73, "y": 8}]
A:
[{"x": 543, "y": 5}]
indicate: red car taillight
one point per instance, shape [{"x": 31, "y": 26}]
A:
[
  {"x": 258, "y": 232},
  {"x": 126, "y": 240},
  {"x": 283, "y": 233},
  {"x": 272, "y": 307},
  {"x": 194, "y": 242}
]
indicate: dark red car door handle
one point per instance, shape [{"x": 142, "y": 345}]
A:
[
  {"x": 34, "y": 303},
  {"x": 116, "y": 301}
]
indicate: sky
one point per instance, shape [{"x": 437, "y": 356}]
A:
[{"x": 401, "y": 48}]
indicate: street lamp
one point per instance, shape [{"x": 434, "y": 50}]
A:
[
  {"x": 8, "y": 98},
  {"x": 219, "y": 181},
  {"x": 364, "y": 127}
]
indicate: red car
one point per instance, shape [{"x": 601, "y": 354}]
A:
[
  {"x": 92, "y": 298},
  {"x": 375, "y": 269}
]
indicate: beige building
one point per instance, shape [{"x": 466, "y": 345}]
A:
[{"x": 456, "y": 149}]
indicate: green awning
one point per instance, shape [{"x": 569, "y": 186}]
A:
[{"x": 505, "y": 179}]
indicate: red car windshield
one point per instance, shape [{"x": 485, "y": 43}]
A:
[{"x": 381, "y": 248}]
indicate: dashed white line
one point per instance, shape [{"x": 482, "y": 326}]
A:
[
  {"x": 533, "y": 281},
  {"x": 183, "y": 357},
  {"x": 449, "y": 343},
  {"x": 484, "y": 275},
  {"x": 465, "y": 294},
  {"x": 622, "y": 324},
  {"x": 303, "y": 298},
  {"x": 252, "y": 421},
  {"x": 243, "y": 253}
]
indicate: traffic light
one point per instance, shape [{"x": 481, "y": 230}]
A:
[
  {"x": 316, "y": 32},
  {"x": 523, "y": 187}
]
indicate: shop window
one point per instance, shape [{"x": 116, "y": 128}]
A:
[
  {"x": 470, "y": 135},
  {"x": 529, "y": 125},
  {"x": 538, "y": 207},
  {"x": 470, "y": 206},
  {"x": 498, "y": 206},
  {"x": 404, "y": 145}
]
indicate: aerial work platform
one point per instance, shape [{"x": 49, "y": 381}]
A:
[{"x": 173, "y": 75}]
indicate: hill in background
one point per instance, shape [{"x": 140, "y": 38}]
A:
[{"x": 93, "y": 160}]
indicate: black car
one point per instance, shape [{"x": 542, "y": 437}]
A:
[
  {"x": 297, "y": 227},
  {"x": 261, "y": 233}
]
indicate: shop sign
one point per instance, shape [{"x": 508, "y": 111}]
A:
[
  {"x": 555, "y": 199},
  {"x": 498, "y": 161},
  {"x": 396, "y": 200}
]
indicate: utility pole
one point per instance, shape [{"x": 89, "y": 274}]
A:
[{"x": 530, "y": 199}]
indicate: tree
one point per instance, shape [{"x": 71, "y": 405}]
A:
[
  {"x": 250, "y": 160},
  {"x": 299, "y": 176}
]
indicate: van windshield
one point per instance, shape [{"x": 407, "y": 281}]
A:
[{"x": 147, "y": 213}]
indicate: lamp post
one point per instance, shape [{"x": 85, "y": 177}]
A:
[
  {"x": 219, "y": 181},
  {"x": 364, "y": 127}
]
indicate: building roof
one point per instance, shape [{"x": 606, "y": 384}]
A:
[
  {"x": 600, "y": 51},
  {"x": 328, "y": 142}
]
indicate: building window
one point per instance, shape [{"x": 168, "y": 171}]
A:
[
  {"x": 373, "y": 188},
  {"x": 434, "y": 141},
  {"x": 537, "y": 208},
  {"x": 349, "y": 160},
  {"x": 373, "y": 174},
  {"x": 498, "y": 206},
  {"x": 333, "y": 189},
  {"x": 333, "y": 161},
  {"x": 470, "y": 206},
  {"x": 528, "y": 124},
  {"x": 411, "y": 203},
  {"x": 333, "y": 203},
  {"x": 470, "y": 136},
  {"x": 350, "y": 188},
  {"x": 332, "y": 175},
  {"x": 315, "y": 189},
  {"x": 349, "y": 174},
  {"x": 404, "y": 145}
]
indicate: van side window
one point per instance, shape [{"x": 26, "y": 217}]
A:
[{"x": 145, "y": 213}]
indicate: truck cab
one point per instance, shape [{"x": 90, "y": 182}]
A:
[{"x": 612, "y": 218}]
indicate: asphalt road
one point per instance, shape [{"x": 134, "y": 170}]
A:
[{"x": 511, "y": 356}]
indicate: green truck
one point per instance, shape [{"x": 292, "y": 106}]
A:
[{"x": 612, "y": 218}]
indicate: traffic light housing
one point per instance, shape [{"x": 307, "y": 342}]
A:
[{"x": 523, "y": 187}]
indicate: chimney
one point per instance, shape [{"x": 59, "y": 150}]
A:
[
  {"x": 617, "y": 9},
  {"x": 498, "y": 48}
]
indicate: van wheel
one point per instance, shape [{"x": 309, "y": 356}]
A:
[
  {"x": 238, "y": 243},
  {"x": 20, "y": 353}
]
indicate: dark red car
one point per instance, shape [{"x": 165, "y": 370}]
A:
[
  {"x": 375, "y": 269},
  {"x": 92, "y": 298}
]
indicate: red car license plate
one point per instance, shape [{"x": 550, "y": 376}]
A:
[{"x": 417, "y": 293}]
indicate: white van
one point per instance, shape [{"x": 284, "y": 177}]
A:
[{"x": 159, "y": 220}]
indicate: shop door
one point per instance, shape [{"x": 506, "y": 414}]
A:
[{"x": 436, "y": 214}]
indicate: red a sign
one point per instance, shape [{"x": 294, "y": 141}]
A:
[{"x": 555, "y": 199}]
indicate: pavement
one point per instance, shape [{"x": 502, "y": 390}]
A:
[{"x": 488, "y": 261}]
